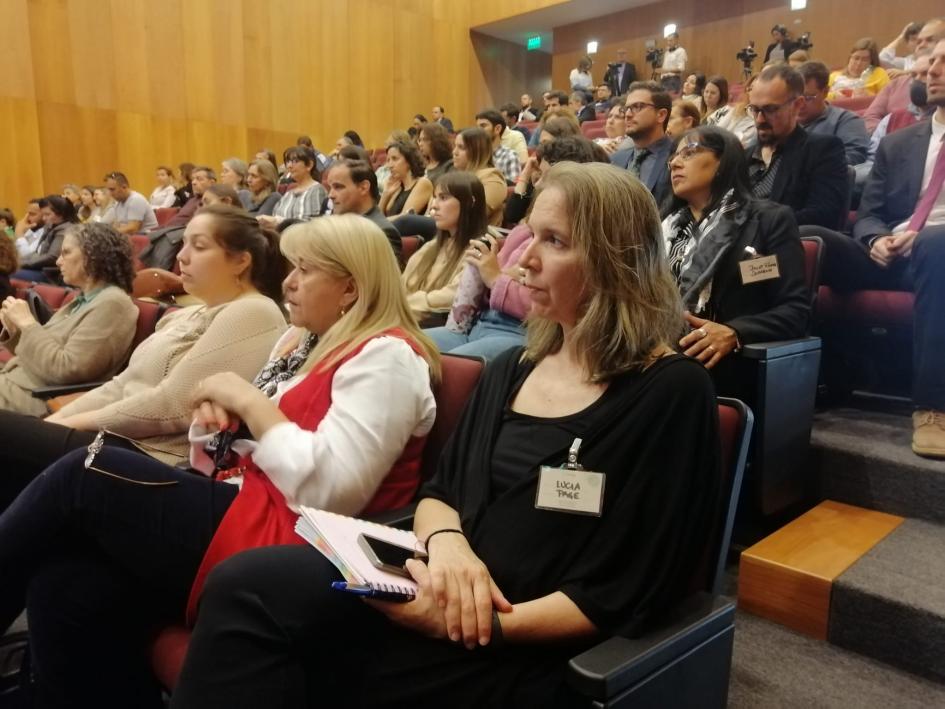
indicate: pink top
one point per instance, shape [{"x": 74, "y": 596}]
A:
[{"x": 508, "y": 295}]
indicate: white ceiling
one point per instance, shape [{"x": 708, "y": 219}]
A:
[{"x": 541, "y": 22}]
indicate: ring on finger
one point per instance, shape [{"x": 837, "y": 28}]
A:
[
  {"x": 711, "y": 349},
  {"x": 702, "y": 332}
]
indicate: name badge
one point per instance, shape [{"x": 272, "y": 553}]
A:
[
  {"x": 763, "y": 268},
  {"x": 575, "y": 491}
]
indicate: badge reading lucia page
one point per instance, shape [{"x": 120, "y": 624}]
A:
[{"x": 571, "y": 488}]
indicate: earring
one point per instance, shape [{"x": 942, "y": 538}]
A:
[{"x": 342, "y": 311}]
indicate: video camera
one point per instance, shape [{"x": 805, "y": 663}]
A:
[
  {"x": 803, "y": 42},
  {"x": 654, "y": 57},
  {"x": 747, "y": 55}
]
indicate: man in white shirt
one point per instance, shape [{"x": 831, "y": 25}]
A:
[
  {"x": 907, "y": 39},
  {"x": 133, "y": 212},
  {"x": 675, "y": 57},
  {"x": 528, "y": 111},
  {"x": 506, "y": 160},
  {"x": 899, "y": 244},
  {"x": 29, "y": 230}
]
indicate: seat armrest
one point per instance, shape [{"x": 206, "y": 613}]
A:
[
  {"x": 780, "y": 348},
  {"x": 618, "y": 663},
  {"x": 54, "y": 390},
  {"x": 402, "y": 517}
]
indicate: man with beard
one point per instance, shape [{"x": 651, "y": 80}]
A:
[
  {"x": 804, "y": 171},
  {"x": 648, "y": 109},
  {"x": 899, "y": 244}
]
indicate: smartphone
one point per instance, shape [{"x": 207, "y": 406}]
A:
[{"x": 387, "y": 556}]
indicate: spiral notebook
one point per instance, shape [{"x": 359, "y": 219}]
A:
[{"x": 336, "y": 536}]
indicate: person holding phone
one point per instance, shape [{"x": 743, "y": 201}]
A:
[{"x": 520, "y": 576}]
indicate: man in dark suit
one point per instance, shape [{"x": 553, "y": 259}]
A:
[
  {"x": 805, "y": 172},
  {"x": 439, "y": 116},
  {"x": 648, "y": 109},
  {"x": 620, "y": 74},
  {"x": 899, "y": 244},
  {"x": 579, "y": 103}
]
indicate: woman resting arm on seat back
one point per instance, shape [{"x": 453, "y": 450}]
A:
[
  {"x": 235, "y": 268},
  {"x": 86, "y": 340},
  {"x": 339, "y": 423},
  {"x": 524, "y": 576}
]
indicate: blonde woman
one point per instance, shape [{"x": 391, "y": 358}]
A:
[
  {"x": 263, "y": 182},
  {"x": 862, "y": 76},
  {"x": 737, "y": 120},
  {"x": 472, "y": 152}
]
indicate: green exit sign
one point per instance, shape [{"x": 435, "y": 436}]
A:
[{"x": 533, "y": 43}]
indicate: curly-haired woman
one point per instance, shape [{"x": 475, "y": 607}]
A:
[{"x": 88, "y": 339}]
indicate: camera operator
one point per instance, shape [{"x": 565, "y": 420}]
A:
[
  {"x": 675, "y": 57},
  {"x": 747, "y": 56},
  {"x": 782, "y": 46},
  {"x": 620, "y": 74}
]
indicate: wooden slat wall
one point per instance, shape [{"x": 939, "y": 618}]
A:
[
  {"x": 712, "y": 31},
  {"x": 90, "y": 86}
]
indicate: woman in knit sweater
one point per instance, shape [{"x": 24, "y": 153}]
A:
[
  {"x": 236, "y": 269},
  {"x": 87, "y": 340}
]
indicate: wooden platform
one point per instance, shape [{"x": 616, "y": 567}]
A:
[{"x": 787, "y": 577}]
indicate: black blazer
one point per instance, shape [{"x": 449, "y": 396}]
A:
[
  {"x": 588, "y": 113},
  {"x": 812, "y": 179},
  {"x": 658, "y": 179},
  {"x": 790, "y": 46},
  {"x": 776, "y": 309},
  {"x": 892, "y": 189},
  {"x": 613, "y": 72}
]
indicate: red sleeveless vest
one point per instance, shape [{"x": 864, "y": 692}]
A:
[{"x": 259, "y": 516}]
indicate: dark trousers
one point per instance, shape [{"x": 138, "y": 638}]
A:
[
  {"x": 100, "y": 560},
  {"x": 416, "y": 225},
  {"x": 30, "y": 445},
  {"x": 847, "y": 266}
]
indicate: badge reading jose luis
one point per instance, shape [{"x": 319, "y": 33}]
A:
[
  {"x": 758, "y": 268},
  {"x": 571, "y": 488}
]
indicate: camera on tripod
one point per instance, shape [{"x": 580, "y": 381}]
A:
[
  {"x": 747, "y": 55},
  {"x": 654, "y": 54},
  {"x": 803, "y": 42}
]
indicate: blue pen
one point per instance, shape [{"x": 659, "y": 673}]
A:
[{"x": 392, "y": 593}]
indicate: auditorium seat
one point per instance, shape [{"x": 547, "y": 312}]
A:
[
  {"x": 378, "y": 157},
  {"x": 408, "y": 247},
  {"x": 164, "y": 214},
  {"x": 593, "y": 129}
]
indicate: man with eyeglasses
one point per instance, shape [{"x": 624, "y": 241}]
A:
[
  {"x": 648, "y": 109},
  {"x": 817, "y": 116},
  {"x": 899, "y": 244},
  {"x": 804, "y": 171}
]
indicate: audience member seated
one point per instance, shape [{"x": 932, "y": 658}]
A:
[
  {"x": 806, "y": 172},
  {"x": 268, "y": 155},
  {"x": 580, "y": 77},
  {"x": 383, "y": 172},
  {"x": 556, "y": 102},
  {"x": 436, "y": 150},
  {"x": 322, "y": 161},
  {"x": 715, "y": 100},
  {"x": 615, "y": 128},
  {"x": 87, "y": 200},
  {"x": 408, "y": 191},
  {"x": 305, "y": 199},
  {"x": 582, "y": 107},
  {"x": 713, "y": 225},
  {"x": 896, "y": 93},
  {"x": 509, "y": 113},
  {"x": 899, "y": 244},
  {"x": 472, "y": 152},
  {"x": 104, "y": 210},
  {"x": 781, "y": 47},
  {"x": 355, "y": 152},
  {"x": 8, "y": 223},
  {"x": 572, "y": 148},
  {"x": 684, "y": 117},
  {"x": 905, "y": 43},
  {"x": 29, "y": 230},
  {"x": 236, "y": 269},
  {"x": 201, "y": 179},
  {"x": 9, "y": 261},
  {"x": 184, "y": 192},
  {"x": 352, "y": 187},
  {"x": 862, "y": 76},
  {"x": 816, "y": 116},
  {"x": 71, "y": 193},
  {"x": 338, "y": 420},
  {"x": 133, "y": 214},
  {"x": 527, "y": 111},
  {"x": 85, "y": 341},
  {"x": 262, "y": 180},
  {"x": 164, "y": 195},
  {"x": 233, "y": 173},
  {"x": 58, "y": 216},
  {"x": 439, "y": 117},
  {"x": 546, "y": 584},
  {"x": 620, "y": 74},
  {"x": 558, "y": 125},
  {"x": 506, "y": 160},
  {"x": 221, "y": 194},
  {"x": 432, "y": 273},
  {"x": 604, "y": 98},
  {"x": 692, "y": 90},
  {"x": 648, "y": 109},
  {"x": 737, "y": 120}
]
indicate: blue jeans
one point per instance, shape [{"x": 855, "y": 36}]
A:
[
  {"x": 30, "y": 275},
  {"x": 492, "y": 335}
]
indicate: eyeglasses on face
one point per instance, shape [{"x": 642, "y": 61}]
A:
[
  {"x": 635, "y": 108},
  {"x": 687, "y": 152},
  {"x": 768, "y": 111}
]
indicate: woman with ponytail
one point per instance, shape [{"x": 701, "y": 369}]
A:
[
  {"x": 231, "y": 264},
  {"x": 336, "y": 420}
]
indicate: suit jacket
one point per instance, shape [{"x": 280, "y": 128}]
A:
[
  {"x": 446, "y": 123},
  {"x": 658, "y": 179},
  {"x": 612, "y": 74},
  {"x": 893, "y": 186},
  {"x": 588, "y": 113},
  {"x": 812, "y": 179},
  {"x": 775, "y": 309}
]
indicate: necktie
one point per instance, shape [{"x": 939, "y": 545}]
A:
[
  {"x": 924, "y": 206},
  {"x": 637, "y": 163}
]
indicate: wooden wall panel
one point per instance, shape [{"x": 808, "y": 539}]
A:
[
  {"x": 713, "y": 31},
  {"x": 507, "y": 71}
]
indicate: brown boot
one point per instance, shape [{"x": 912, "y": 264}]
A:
[{"x": 928, "y": 433}]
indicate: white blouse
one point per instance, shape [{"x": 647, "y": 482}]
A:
[
  {"x": 162, "y": 197},
  {"x": 379, "y": 400}
]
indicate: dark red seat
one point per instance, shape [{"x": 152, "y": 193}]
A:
[
  {"x": 408, "y": 247},
  {"x": 55, "y": 296},
  {"x": 592, "y": 132},
  {"x": 867, "y": 308},
  {"x": 164, "y": 214}
]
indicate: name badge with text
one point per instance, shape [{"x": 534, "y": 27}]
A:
[
  {"x": 564, "y": 490},
  {"x": 763, "y": 268}
]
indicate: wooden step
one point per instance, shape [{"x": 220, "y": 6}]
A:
[{"x": 788, "y": 576}]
